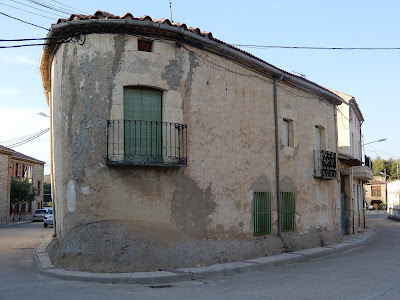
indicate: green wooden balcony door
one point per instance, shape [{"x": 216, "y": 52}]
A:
[{"x": 142, "y": 138}]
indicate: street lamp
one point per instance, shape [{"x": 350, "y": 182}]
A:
[
  {"x": 381, "y": 140},
  {"x": 43, "y": 114}
]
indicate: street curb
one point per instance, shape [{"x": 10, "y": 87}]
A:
[
  {"x": 16, "y": 223},
  {"x": 46, "y": 267}
]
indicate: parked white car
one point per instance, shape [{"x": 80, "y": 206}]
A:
[
  {"x": 40, "y": 213},
  {"x": 48, "y": 219}
]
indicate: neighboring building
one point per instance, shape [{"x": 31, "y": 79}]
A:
[
  {"x": 353, "y": 173},
  {"x": 18, "y": 166},
  {"x": 393, "y": 199},
  {"x": 167, "y": 150},
  {"x": 375, "y": 192}
]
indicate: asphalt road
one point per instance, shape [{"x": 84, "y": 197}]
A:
[{"x": 370, "y": 272}]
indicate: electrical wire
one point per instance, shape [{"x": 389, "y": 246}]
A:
[
  {"x": 24, "y": 21},
  {"x": 49, "y": 6},
  {"x": 35, "y": 39},
  {"x": 30, "y": 45},
  {"x": 29, "y": 12},
  {"x": 315, "y": 48},
  {"x": 366, "y": 146},
  {"x": 25, "y": 139},
  {"x": 35, "y": 8},
  {"x": 70, "y": 7}
]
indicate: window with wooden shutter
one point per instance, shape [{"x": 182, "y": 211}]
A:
[
  {"x": 285, "y": 132},
  {"x": 317, "y": 138}
]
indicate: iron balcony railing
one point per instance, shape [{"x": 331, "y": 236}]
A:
[
  {"x": 147, "y": 143},
  {"x": 325, "y": 164}
]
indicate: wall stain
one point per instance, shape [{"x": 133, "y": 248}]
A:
[
  {"x": 173, "y": 71},
  {"x": 81, "y": 146},
  {"x": 261, "y": 185},
  {"x": 191, "y": 207},
  {"x": 287, "y": 185},
  {"x": 86, "y": 66},
  {"x": 193, "y": 63}
]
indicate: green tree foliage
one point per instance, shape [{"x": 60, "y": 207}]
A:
[
  {"x": 21, "y": 191},
  {"x": 379, "y": 165}
]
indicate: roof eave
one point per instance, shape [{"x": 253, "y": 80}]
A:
[{"x": 181, "y": 32}]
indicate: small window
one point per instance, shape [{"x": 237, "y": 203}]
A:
[
  {"x": 262, "y": 213},
  {"x": 317, "y": 138},
  {"x": 376, "y": 191},
  {"x": 288, "y": 211},
  {"x": 144, "y": 45},
  {"x": 38, "y": 187},
  {"x": 17, "y": 173},
  {"x": 286, "y": 133}
]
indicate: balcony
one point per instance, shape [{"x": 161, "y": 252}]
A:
[
  {"x": 146, "y": 143},
  {"x": 324, "y": 164},
  {"x": 363, "y": 173}
]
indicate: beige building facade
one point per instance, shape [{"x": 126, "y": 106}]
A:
[
  {"x": 172, "y": 149},
  {"x": 353, "y": 172}
]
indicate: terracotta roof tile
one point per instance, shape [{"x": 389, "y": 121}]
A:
[
  {"x": 101, "y": 15},
  {"x": 16, "y": 154}
]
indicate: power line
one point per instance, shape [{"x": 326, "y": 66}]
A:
[
  {"x": 69, "y": 7},
  {"x": 316, "y": 48},
  {"x": 35, "y": 39},
  {"x": 24, "y": 21},
  {"x": 29, "y": 12},
  {"x": 49, "y": 6},
  {"x": 35, "y": 8},
  {"x": 25, "y": 139},
  {"x": 30, "y": 45}
]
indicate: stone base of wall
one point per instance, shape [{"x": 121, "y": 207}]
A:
[{"x": 120, "y": 246}]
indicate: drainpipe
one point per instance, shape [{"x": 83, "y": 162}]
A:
[{"x": 277, "y": 174}]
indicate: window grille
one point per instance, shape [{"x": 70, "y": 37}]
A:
[
  {"x": 262, "y": 213},
  {"x": 288, "y": 211}
]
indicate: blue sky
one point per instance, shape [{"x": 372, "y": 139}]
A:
[{"x": 370, "y": 76}]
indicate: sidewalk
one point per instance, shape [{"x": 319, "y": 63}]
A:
[{"x": 46, "y": 267}]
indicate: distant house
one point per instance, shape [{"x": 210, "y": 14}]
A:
[
  {"x": 173, "y": 149},
  {"x": 18, "y": 166},
  {"x": 375, "y": 192},
  {"x": 353, "y": 172}
]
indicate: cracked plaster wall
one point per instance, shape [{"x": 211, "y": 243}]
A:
[{"x": 230, "y": 141}]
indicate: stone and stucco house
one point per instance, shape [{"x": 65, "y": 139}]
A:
[
  {"x": 15, "y": 165},
  {"x": 171, "y": 148},
  {"x": 376, "y": 192},
  {"x": 353, "y": 173}
]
